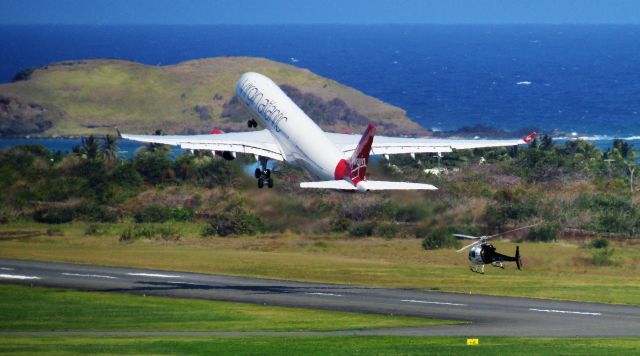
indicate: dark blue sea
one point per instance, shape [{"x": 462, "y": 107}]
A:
[
  {"x": 582, "y": 79},
  {"x": 126, "y": 149}
]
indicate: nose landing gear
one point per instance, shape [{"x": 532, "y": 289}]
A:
[
  {"x": 252, "y": 123},
  {"x": 263, "y": 174}
]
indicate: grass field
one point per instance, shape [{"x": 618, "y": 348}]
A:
[
  {"x": 312, "y": 345},
  {"x": 45, "y": 309},
  {"x": 561, "y": 270},
  {"x": 368, "y": 261},
  {"x": 48, "y": 309}
]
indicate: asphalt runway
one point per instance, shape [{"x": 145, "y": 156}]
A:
[{"x": 487, "y": 315}]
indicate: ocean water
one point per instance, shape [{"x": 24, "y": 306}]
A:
[
  {"x": 126, "y": 149},
  {"x": 582, "y": 79}
]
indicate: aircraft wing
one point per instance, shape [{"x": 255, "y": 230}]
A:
[
  {"x": 260, "y": 143},
  {"x": 396, "y": 145}
]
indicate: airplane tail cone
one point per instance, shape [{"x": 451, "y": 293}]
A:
[{"x": 518, "y": 260}]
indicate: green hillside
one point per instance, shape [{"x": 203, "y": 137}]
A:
[{"x": 90, "y": 97}]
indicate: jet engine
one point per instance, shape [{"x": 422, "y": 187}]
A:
[{"x": 229, "y": 156}]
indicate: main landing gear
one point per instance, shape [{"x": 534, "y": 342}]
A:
[
  {"x": 477, "y": 269},
  {"x": 252, "y": 123},
  {"x": 263, "y": 174}
]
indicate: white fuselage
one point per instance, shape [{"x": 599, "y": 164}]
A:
[{"x": 302, "y": 141}]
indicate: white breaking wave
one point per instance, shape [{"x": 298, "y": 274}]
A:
[
  {"x": 597, "y": 138},
  {"x": 524, "y": 82}
]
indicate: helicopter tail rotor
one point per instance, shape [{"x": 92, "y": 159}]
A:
[{"x": 518, "y": 260}]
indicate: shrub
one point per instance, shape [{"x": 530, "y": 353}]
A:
[
  {"x": 158, "y": 214},
  {"x": 600, "y": 242},
  {"x": 389, "y": 209},
  {"x": 99, "y": 213},
  {"x": 602, "y": 257},
  {"x": 126, "y": 235},
  {"x": 152, "y": 213},
  {"x": 340, "y": 224},
  {"x": 386, "y": 230},
  {"x": 126, "y": 175},
  {"x": 234, "y": 222},
  {"x": 214, "y": 172},
  {"x": 362, "y": 208},
  {"x": 411, "y": 213},
  {"x": 437, "y": 237},
  {"x": 5, "y": 215},
  {"x": 510, "y": 206},
  {"x": 92, "y": 229},
  {"x": 362, "y": 229},
  {"x": 181, "y": 214},
  {"x": 544, "y": 233},
  {"x": 149, "y": 231},
  {"x": 604, "y": 202},
  {"x": 169, "y": 233},
  {"x": 615, "y": 221},
  {"x": 54, "y": 215},
  {"x": 486, "y": 192},
  {"x": 152, "y": 166}
]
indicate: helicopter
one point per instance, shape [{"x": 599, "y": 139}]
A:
[{"x": 483, "y": 252}]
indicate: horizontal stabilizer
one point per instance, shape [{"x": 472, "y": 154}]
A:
[
  {"x": 367, "y": 185},
  {"x": 329, "y": 184}
]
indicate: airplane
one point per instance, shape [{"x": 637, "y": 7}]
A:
[{"x": 337, "y": 161}]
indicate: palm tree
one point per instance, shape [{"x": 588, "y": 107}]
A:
[
  {"x": 546, "y": 142},
  {"x": 109, "y": 148},
  {"x": 625, "y": 154},
  {"x": 626, "y": 150},
  {"x": 88, "y": 148}
]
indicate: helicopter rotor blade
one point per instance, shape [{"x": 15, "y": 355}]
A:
[
  {"x": 467, "y": 236},
  {"x": 469, "y": 245},
  {"x": 510, "y": 231}
]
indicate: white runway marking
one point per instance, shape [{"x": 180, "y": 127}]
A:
[
  {"x": 328, "y": 294},
  {"x": 436, "y": 303},
  {"x": 563, "y": 311},
  {"x": 6, "y": 269},
  {"x": 88, "y": 275},
  {"x": 15, "y": 276},
  {"x": 154, "y": 275}
]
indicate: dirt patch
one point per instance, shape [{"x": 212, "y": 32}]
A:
[{"x": 19, "y": 234}]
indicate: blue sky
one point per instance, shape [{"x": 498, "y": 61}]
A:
[{"x": 319, "y": 12}]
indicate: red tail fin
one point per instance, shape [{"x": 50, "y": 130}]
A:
[{"x": 360, "y": 159}]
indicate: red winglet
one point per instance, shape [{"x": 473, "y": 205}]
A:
[{"x": 530, "y": 137}]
